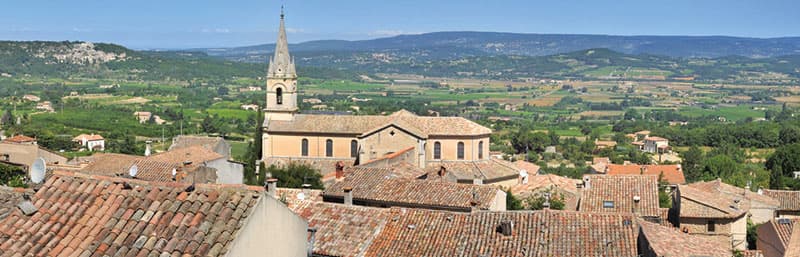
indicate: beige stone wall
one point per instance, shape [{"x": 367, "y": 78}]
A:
[
  {"x": 290, "y": 145},
  {"x": 699, "y": 226},
  {"x": 271, "y": 230},
  {"x": 499, "y": 203},
  {"x": 739, "y": 233},
  {"x": 761, "y": 215},
  {"x": 385, "y": 141},
  {"x": 450, "y": 148}
]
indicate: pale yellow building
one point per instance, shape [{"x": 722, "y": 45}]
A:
[{"x": 323, "y": 140}]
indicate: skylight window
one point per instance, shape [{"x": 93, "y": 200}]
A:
[{"x": 608, "y": 204}]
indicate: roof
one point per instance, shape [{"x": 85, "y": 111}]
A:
[
  {"x": 113, "y": 164},
  {"x": 643, "y": 132},
  {"x": 668, "y": 241},
  {"x": 654, "y": 138},
  {"x": 361, "y": 124},
  {"x": 88, "y": 137},
  {"x": 343, "y": 230},
  {"x": 182, "y": 141},
  {"x": 789, "y": 200},
  {"x": 672, "y": 174},
  {"x": 84, "y": 215},
  {"x": 621, "y": 190},
  {"x": 529, "y": 167},
  {"x": 793, "y": 246},
  {"x": 490, "y": 171},
  {"x": 605, "y": 143},
  {"x": 19, "y": 139},
  {"x": 735, "y": 191},
  {"x": 196, "y": 154},
  {"x": 382, "y": 186},
  {"x": 710, "y": 203},
  {"x": 416, "y": 232},
  {"x": 563, "y": 185},
  {"x": 9, "y": 198}
]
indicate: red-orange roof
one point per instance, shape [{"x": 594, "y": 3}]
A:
[
  {"x": 19, "y": 139},
  {"x": 673, "y": 174},
  {"x": 91, "y": 137}
]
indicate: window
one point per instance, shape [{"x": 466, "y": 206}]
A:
[
  {"x": 711, "y": 226},
  {"x": 608, "y": 204},
  {"x": 437, "y": 150},
  {"x": 480, "y": 150},
  {"x": 329, "y": 148},
  {"x": 279, "y": 95},
  {"x": 304, "y": 147},
  {"x": 460, "y": 151},
  {"x": 354, "y": 149}
]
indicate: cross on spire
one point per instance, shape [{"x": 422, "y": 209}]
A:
[{"x": 281, "y": 12}]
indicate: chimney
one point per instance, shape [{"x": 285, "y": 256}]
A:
[
  {"x": 339, "y": 170},
  {"x": 311, "y": 241},
  {"x": 475, "y": 201},
  {"x": 586, "y": 182},
  {"x": 348, "y": 196},
  {"x": 523, "y": 177},
  {"x": 546, "y": 203},
  {"x": 148, "y": 148},
  {"x": 306, "y": 189},
  {"x": 477, "y": 181},
  {"x": 506, "y": 227},
  {"x": 636, "y": 199},
  {"x": 272, "y": 187}
]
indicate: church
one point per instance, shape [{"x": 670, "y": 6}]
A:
[{"x": 451, "y": 147}]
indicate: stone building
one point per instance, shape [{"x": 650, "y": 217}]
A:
[{"x": 323, "y": 139}]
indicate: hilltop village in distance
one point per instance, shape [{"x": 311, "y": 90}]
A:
[{"x": 108, "y": 151}]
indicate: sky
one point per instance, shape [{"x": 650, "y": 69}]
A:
[{"x": 176, "y": 24}]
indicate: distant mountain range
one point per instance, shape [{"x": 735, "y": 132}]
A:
[{"x": 464, "y": 44}]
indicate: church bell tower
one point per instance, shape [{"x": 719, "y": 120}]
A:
[{"x": 281, "y": 81}]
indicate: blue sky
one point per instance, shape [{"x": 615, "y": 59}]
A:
[{"x": 215, "y": 23}]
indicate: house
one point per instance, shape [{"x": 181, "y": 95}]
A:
[
  {"x": 671, "y": 174},
  {"x": 27, "y": 152},
  {"x": 312, "y": 100},
  {"x": 655, "y": 145},
  {"x": 711, "y": 213},
  {"x": 193, "y": 163},
  {"x": 777, "y": 236},
  {"x": 492, "y": 171},
  {"x": 91, "y": 142},
  {"x": 31, "y": 98},
  {"x": 621, "y": 194},
  {"x": 45, "y": 106},
  {"x": 382, "y": 187},
  {"x": 762, "y": 208},
  {"x": 20, "y": 140},
  {"x": 789, "y": 202},
  {"x": 144, "y": 117},
  {"x": 601, "y": 144},
  {"x": 74, "y": 214},
  {"x": 656, "y": 240},
  {"x": 599, "y": 165},
  {"x": 216, "y": 144},
  {"x": 563, "y": 188},
  {"x": 526, "y": 168},
  {"x": 250, "y": 107}
]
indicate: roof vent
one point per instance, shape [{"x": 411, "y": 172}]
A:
[
  {"x": 784, "y": 221},
  {"x": 636, "y": 199},
  {"x": 27, "y": 206},
  {"x": 506, "y": 227}
]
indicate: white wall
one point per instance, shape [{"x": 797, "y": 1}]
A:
[
  {"x": 227, "y": 172},
  {"x": 271, "y": 230}
]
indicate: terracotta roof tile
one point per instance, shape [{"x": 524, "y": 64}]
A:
[
  {"x": 357, "y": 125},
  {"x": 789, "y": 200},
  {"x": 19, "y": 139},
  {"x": 182, "y": 141},
  {"x": 529, "y": 167},
  {"x": 77, "y": 224},
  {"x": 710, "y": 203},
  {"x": 343, "y": 230},
  {"x": 567, "y": 187},
  {"x": 88, "y": 137},
  {"x": 672, "y": 173},
  {"x": 733, "y": 191},
  {"x": 668, "y": 241},
  {"x": 381, "y": 186},
  {"x": 416, "y": 232},
  {"x": 490, "y": 171},
  {"x": 620, "y": 191}
]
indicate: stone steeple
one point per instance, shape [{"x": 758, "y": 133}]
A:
[{"x": 281, "y": 65}]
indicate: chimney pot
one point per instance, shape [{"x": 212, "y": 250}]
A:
[
  {"x": 507, "y": 227},
  {"x": 339, "y": 170},
  {"x": 348, "y": 196},
  {"x": 272, "y": 187},
  {"x": 306, "y": 189}
]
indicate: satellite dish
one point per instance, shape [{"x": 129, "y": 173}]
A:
[
  {"x": 133, "y": 170},
  {"x": 38, "y": 170}
]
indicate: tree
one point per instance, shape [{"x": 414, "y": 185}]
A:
[
  {"x": 782, "y": 164},
  {"x": 222, "y": 90},
  {"x": 692, "y": 161},
  {"x": 631, "y": 114},
  {"x": 512, "y": 202},
  {"x": 720, "y": 166},
  {"x": 536, "y": 201},
  {"x": 12, "y": 176},
  {"x": 789, "y": 135},
  {"x": 295, "y": 175}
]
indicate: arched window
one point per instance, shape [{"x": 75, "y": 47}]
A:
[
  {"x": 460, "y": 151},
  {"x": 304, "y": 147},
  {"x": 480, "y": 149},
  {"x": 279, "y": 95},
  {"x": 437, "y": 150},
  {"x": 354, "y": 149},
  {"x": 329, "y": 148}
]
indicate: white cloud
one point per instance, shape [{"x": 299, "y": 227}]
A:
[
  {"x": 391, "y": 32},
  {"x": 216, "y": 30},
  {"x": 75, "y": 29}
]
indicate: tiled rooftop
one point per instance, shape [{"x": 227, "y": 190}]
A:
[
  {"x": 620, "y": 191},
  {"x": 668, "y": 241},
  {"x": 157, "y": 167},
  {"x": 789, "y": 200},
  {"x": 416, "y": 232},
  {"x": 182, "y": 141},
  {"x": 734, "y": 191},
  {"x": 529, "y": 167},
  {"x": 381, "y": 186},
  {"x": 490, "y": 171},
  {"x": 672, "y": 174},
  {"x": 356, "y": 125},
  {"x": 86, "y": 215},
  {"x": 88, "y": 137},
  {"x": 710, "y": 203},
  {"x": 343, "y": 230},
  {"x": 560, "y": 185},
  {"x": 19, "y": 139},
  {"x": 9, "y": 198}
]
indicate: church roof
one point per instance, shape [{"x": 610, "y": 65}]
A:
[
  {"x": 281, "y": 65},
  {"x": 362, "y": 124}
]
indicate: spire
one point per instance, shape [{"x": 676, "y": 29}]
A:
[{"x": 281, "y": 65}]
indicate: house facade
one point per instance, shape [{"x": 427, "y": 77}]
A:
[
  {"x": 91, "y": 142},
  {"x": 711, "y": 214}
]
